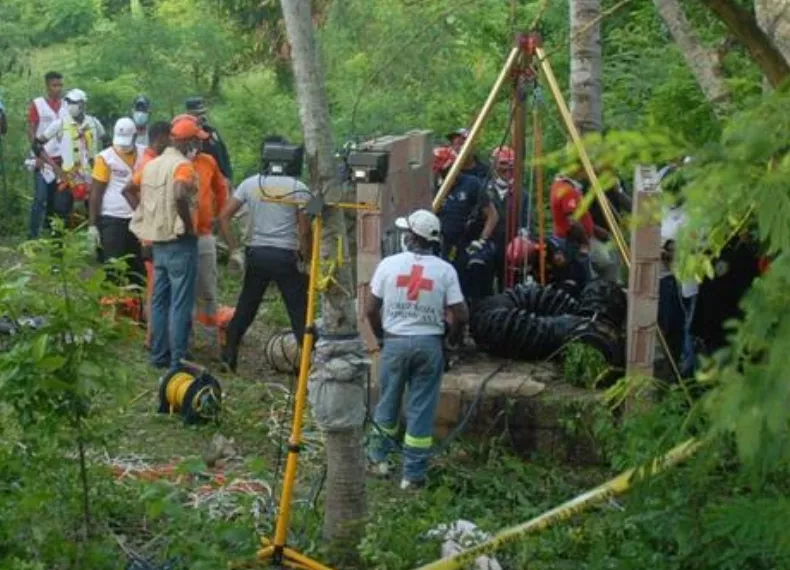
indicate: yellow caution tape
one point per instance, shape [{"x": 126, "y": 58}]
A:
[
  {"x": 328, "y": 277},
  {"x": 616, "y": 486}
]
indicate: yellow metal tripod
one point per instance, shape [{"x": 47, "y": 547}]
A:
[{"x": 276, "y": 550}]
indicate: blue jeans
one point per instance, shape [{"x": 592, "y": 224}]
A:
[
  {"x": 43, "y": 204},
  {"x": 173, "y": 299},
  {"x": 415, "y": 362}
]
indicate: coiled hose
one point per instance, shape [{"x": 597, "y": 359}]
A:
[
  {"x": 527, "y": 322},
  {"x": 531, "y": 322}
]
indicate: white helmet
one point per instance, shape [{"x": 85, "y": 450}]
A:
[
  {"x": 76, "y": 96},
  {"x": 422, "y": 223}
]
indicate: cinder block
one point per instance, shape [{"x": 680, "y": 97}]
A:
[
  {"x": 448, "y": 411},
  {"x": 643, "y": 278},
  {"x": 368, "y": 233}
]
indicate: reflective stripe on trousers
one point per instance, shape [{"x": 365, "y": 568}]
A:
[{"x": 413, "y": 365}]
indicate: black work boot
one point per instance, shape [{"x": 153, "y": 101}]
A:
[{"x": 229, "y": 356}]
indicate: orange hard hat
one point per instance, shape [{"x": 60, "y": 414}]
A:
[
  {"x": 184, "y": 127},
  {"x": 503, "y": 155},
  {"x": 443, "y": 158}
]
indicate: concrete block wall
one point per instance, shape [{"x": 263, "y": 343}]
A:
[
  {"x": 409, "y": 186},
  {"x": 644, "y": 275}
]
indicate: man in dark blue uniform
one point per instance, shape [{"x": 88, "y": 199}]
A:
[
  {"x": 468, "y": 221},
  {"x": 214, "y": 146}
]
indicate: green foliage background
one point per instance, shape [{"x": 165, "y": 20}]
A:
[{"x": 396, "y": 65}]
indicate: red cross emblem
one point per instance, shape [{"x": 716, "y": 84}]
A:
[{"x": 414, "y": 283}]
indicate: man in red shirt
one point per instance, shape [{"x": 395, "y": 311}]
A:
[
  {"x": 43, "y": 111},
  {"x": 566, "y": 196}
]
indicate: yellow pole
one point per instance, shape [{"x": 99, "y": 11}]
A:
[
  {"x": 613, "y": 487},
  {"x": 622, "y": 246},
  {"x": 281, "y": 532},
  {"x": 466, "y": 150}
]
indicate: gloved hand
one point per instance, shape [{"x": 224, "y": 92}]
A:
[
  {"x": 94, "y": 237},
  {"x": 475, "y": 246},
  {"x": 236, "y": 261}
]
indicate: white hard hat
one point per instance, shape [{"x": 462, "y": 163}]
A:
[
  {"x": 422, "y": 223},
  {"x": 123, "y": 134},
  {"x": 77, "y": 96}
]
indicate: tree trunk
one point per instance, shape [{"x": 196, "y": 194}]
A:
[
  {"x": 586, "y": 83},
  {"x": 743, "y": 25},
  {"x": 773, "y": 16},
  {"x": 704, "y": 62},
  {"x": 340, "y": 363}
]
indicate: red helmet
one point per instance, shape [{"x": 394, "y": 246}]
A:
[
  {"x": 519, "y": 250},
  {"x": 503, "y": 155},
  {"x": 443, "y": 158}
]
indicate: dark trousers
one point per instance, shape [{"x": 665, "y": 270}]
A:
[
  {"x": 671, "y": 315},
  {"x": 118, "y": 242},
  {"x": 476, "y": 280},
  {"x": 47, "y": 202},
  {"x": 262, "y": 266}
]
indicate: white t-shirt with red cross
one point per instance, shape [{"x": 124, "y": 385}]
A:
[{"x": 415, "y": 289}]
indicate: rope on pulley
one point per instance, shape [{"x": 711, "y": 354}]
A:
[{"x": 191, "y": 392}]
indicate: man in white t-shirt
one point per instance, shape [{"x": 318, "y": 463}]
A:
[
  {"x": 411, "y": 292},
  {"x": 109, "y": 212},
  {"x": 677, "y": 301}
]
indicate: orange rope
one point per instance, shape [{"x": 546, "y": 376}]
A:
[{"x": 537, "y": 150}]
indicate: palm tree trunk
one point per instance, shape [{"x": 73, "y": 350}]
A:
[
  {"x": 773, "y": 16},
  {"x": 702, "y": 61},
  {"x": 340, "y": 362},
  {"x": 586, "y": 66},
  {"x": 743, "y": 25}
]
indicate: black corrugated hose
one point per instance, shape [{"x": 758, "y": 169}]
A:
[{"x": 532, "y": 321}]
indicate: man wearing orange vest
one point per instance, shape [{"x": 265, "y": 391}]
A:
[
  {"x": 159, "y": 138},
  {"x": 165, "y": 217},
  {"x": 212, "y": 195}
]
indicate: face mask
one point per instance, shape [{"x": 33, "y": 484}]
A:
[
  {"x": 75, "y": 109},
  {"x": 404, "y": 244},
  {"x": 502, "y": 187},
  {"x": 192, "y": 151},
  {"x": 140, "y": 118}
]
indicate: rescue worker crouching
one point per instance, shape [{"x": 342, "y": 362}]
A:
[
  {"x": 278, "y": 244},
  {"x": 410, "y": 294},
  {"x": 168, "y": 190},
  {"x": 468, "y": 219}
]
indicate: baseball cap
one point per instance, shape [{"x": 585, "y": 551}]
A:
[
  {"x": 186, "y": 127},
  {"x": 195, "y": 105},
  {"x": 422, "y": 223},
  {"x": 458, "y": 133},
  {"x": 124, "y": 131},
  {"x": 76, "y": 96},
  {"x": 141, "y": 103}
]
